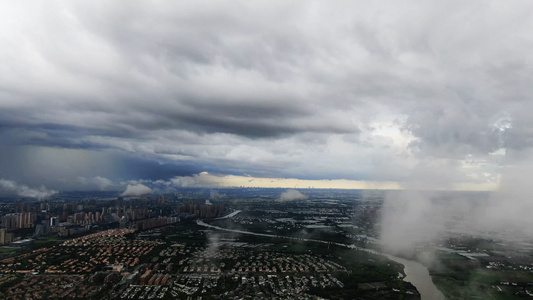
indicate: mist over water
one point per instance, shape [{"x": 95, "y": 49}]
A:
[
  {"x": 508, "y": 213},
  {"x": 415, "y": 223},
  {"x": 415, "y": 218},
  {"x": 408, "y": 218}
]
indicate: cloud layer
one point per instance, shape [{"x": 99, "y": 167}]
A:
[{"x": 359, "y": 90}]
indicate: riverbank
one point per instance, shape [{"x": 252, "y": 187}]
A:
[{"x": 415, "y": 272}]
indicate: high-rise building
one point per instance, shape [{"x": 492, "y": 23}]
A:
[
  {"x": 54, "y": 221},
  {"x": 19, "y": 220},
  {"x": 3, "y": 233},
  {"x": 5, "y": 237}
]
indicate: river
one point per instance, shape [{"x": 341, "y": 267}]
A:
[
  {"x": 415, "y": 272},
  {"x": 418, "y": 275}
]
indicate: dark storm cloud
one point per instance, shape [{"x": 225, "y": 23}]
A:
[
  {"x": 62, "y": 168},
  {"x": 242, "y": 124}
]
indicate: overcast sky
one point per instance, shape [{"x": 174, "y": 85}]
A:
[{"x": 98, "y": 94}]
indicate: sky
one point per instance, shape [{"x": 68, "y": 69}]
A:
[{"x": 122, "y": 95}]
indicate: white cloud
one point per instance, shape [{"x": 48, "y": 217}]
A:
[
  {"x": 10, "y": 186},
  {"x": 292, "y": 195},
  {"x": 136, "y": 190}
]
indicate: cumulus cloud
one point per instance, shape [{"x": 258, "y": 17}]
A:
[
  {"x": 136, "y": 190},
  {"x": 10, "y": 186},
  {"x": 292, "y": 195}
]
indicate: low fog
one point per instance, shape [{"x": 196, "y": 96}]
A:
[
  {"x": 292, "y": 195},
  {"x": 414, "y": 218}
]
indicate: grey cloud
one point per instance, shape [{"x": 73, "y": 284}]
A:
[
  {"x": 247, "y": 126},
  {"x": 95, "y": 183},
  {"x": 454, "y": 130},
  {"x": 291, "y": 89}
]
